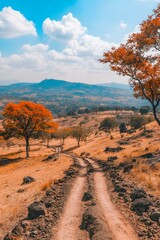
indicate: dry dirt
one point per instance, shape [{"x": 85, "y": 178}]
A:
[
  {"x": 14, "y": 196},
  {"x": 98, "y": 218}
]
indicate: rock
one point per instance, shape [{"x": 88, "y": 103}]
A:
[
  {"x": 140, "y": 205},
  {"x": 155, "y": 215},
  {"x": 21, "y": 190},
  {"x": 89, "y": 224},
  {"x": 138, "y": 193},
  {"x": 128, "y": 168},
  {"x": 118, "y": 188},
  {"x": 71, "y": 172},
  {"x": 48, "y": 204},
  {"x": 28, "y": 179},
  {"x": 8, "y": 237},
  {"x": 118, "y": 149},
  {"x": 147, "y": 155},
  {"x": 87, "y": 196},
  {"x": 25, "y": 224},
  {"x": 112, "y": 158},
  {"x": 49, "y": 192},
  {"x": 35, "y": 210},
  {"x": 18, "y": 230}
]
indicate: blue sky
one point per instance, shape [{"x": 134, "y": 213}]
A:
[{"x": 63, "y": 39}]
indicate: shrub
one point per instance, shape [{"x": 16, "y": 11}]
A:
[
  {"x": 138, "y": 121},
  {"x": 107, "y": 124},
  {"x": 122, "y": 128}
]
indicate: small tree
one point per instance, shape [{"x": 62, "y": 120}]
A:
[
  {"x": 62, "y": 134},
  {"x": 122, "y": 128},
  {"x": 24, "y": 119},
  {"x": 144, "y": 110},
  {"x": 138, "y": 121},
  {"x": 107, "y": 124},
  {"x": 80, "y": 133}
]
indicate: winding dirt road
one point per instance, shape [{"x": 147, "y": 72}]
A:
[{"x": 70, "y": 221}]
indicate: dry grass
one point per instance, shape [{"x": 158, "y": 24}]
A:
[
  {"x": 46, "y": 185},
  {"x": 147, "y": 176},
  {"x": 13, "y": 203}
]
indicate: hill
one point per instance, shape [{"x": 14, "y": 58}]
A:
[
  {"x": 115, "y": 85},
  {"x": 62, "y": 97}
]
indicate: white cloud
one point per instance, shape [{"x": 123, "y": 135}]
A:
[
  {"x": 123, "y": 24},
  {"x": 88, "y": 46},
  {"x": 35, "y": 48},
  {"x": 78, "y": 60},
  {"x": 13, "y": 24},
  {"x": 67, "y": 29}
]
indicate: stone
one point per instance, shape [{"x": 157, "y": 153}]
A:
[
  {"x": 147, "y": 155},
  {"x": 138, "y": 193},
  {"x": 118, "y": 188},
  {"x": 87, "y": 196},
  {"x": 35, "y": 210},
  {"x": 112, "y": 158},
  {"x": 128, "y": 168},
  {"x": 155, "y": 215},
  {"x": 140, "y": 205},
  {"x": 28, "y": 179}
]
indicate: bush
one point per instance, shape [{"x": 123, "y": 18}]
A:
[
  {"x": 138, "y": 121},
  {"x": 122, "y": 128},
  {"x": 107, "y": 124},
  {"x": 144, "y": 110}
]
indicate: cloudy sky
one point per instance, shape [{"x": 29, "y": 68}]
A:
[{"x": 63, "y": 39}]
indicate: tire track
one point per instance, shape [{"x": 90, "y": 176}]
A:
[
  {"x": 68, "y": 227},
  {"x": 118, "y": 225}
]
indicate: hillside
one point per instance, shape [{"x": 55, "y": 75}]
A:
[
  {"x": 61, "y": 96},
  {"x": 72, "y": 184}
]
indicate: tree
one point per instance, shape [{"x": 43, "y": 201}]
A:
[
  {"x": 80, "y": 133},
  {"x": 24, "y": 119},
  {"x": 137, "y": 121},
  {"x": 107, "y": 124},
  {"x": 139, "y": 59},
  {"x": 122, "y": 128},
  {"x": 144, "y": 110},
  {"x": 62, "y": 134}
]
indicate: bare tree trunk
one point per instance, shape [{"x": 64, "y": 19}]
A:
[
  {"x": 27, "y": 147},
  {"x": 155, "y": 115}
]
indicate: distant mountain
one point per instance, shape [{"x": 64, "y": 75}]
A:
[
  {"x": 60, "y": 95},
  {"x": 115, "y": 85}
]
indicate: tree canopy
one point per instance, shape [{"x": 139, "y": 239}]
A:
[
  {"x": 24, "y": 119},
  {"x": 139, "y": 58}
]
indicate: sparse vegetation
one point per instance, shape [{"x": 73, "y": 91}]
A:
[{"x": 107, "y": 124}]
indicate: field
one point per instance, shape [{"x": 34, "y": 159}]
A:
[{"x": 16, "y": 196}]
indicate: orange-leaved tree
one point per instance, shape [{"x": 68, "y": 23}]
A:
[
  {"x": 25, "y": 119},
  {"x": 139, "y": 58}
]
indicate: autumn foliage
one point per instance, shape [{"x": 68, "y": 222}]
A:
[
  {"x": 24, "y": 119},
  {"x": 139, "y": 58}
]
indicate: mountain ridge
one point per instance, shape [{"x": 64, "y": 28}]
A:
[{"x": 63, "y": 96}]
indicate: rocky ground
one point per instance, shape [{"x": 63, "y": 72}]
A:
[{"x": 92, "y": 201}]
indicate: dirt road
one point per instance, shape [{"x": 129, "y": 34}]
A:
[
  {"x": 69, "y": 224},
  {"x": 119, "y": 227},
  {"x": 70, "y": 221}
]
